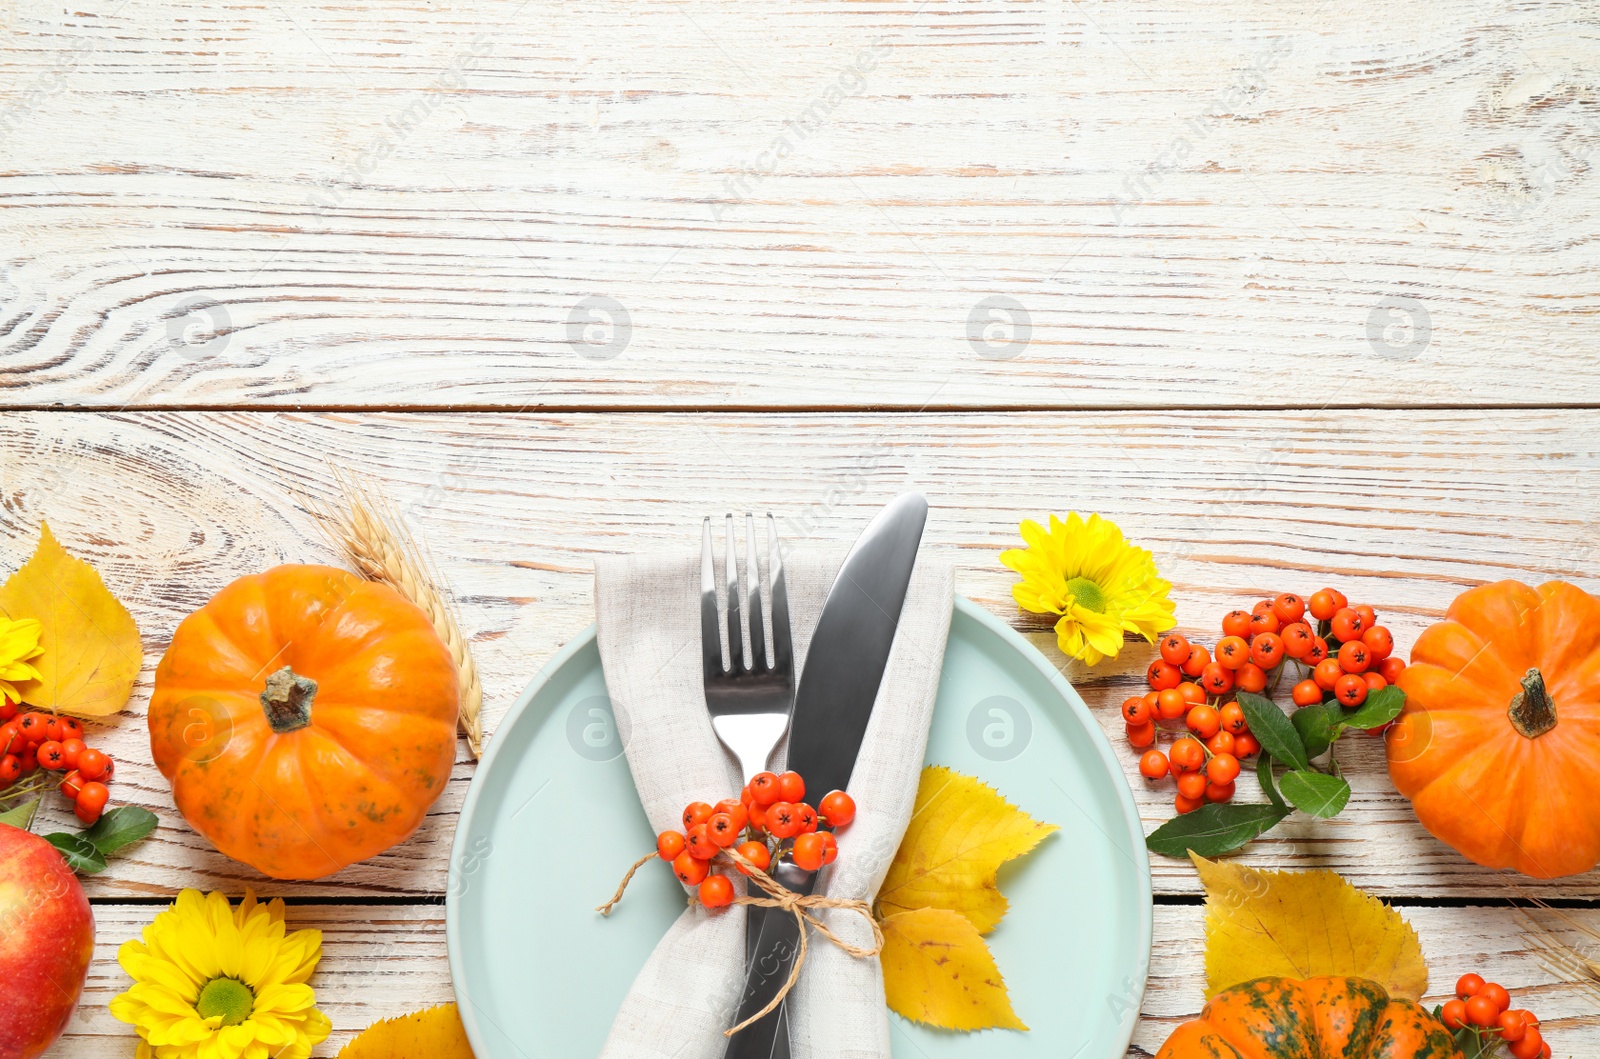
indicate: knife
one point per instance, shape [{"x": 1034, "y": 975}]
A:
[{"x": 832, "y": 705}]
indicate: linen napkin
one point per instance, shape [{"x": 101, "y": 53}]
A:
[{"x": 687, "y": 994}]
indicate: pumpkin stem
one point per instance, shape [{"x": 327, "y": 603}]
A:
[
  {"x": 1532, "y": 712},
  {"x": 287, "y": 700}
]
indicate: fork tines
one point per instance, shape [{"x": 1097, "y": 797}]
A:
[{"x": 711, "y": 635}]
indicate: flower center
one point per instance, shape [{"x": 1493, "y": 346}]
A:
[
  {"x": 227, "y": 997},
  {"x": 1086, "y": 594}
]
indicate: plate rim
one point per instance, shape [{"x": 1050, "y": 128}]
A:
[{"x": 963, "y": 606}]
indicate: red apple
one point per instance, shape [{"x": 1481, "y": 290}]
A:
[{"x": 46, "y": 941}]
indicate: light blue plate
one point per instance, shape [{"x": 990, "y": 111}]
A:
[{"x": 551, "y": 823}]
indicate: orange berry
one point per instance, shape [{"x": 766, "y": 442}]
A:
[
  {"x": 1288, "y": 607},
  {"x": 1135, "y": 712},
  {"x": 1266, "y": 650},
  {"x": 1174, "y": 648},
  {"x": 1375, "y": 681},
  {"x": 791, "y": 788},
  {"x": 1188, "y": 805},
  {"x": 1203, "y": 721},
  {"x": 1481, "y": 1011},
  {"x": 1318, "y": 651},
  {"x": 669, "y": 844},
  {"x": 1264, "y": 622},
  {"x": 1233, "y": 651},
  {"x": 1192, "y": 693},
  {"x": 1379, "y": 641},
  {"x": 1307, "y": 693},
  {"x": 756, "y": 853},
  {"x": 697, "y": 843},
  {"x": 1454, "y": 1014},
  {"x": 1246, "y": 745},
  {"x": 1187, "y": 755},
  {"x": 1497, "y": 993},
  {"x": 1196, "y": 663},
  {"x": 1163, "y": 675},
  {"x": 1250, "y": 677},
  {"x": 838, "y": 808},
  {"x": 1172, "y": 704},
  {"x": 1296, "y": 639},
  {"x": 1217, "y": 679},
  {"x": 764, "y": 788},
  {"x": 1327, "y": 673},
  {"x": 1140, "y": 735},
  {"x": 1350, "y": 690},
  {"x": 1192, "y": 784},
  {"x": 1354, "y": 657},
  {"x": 1348, "y": 625},
  {"x": 1326, "y": 603},
  {"x": 1219, "y": 792},
  {"x": 1236, "y": 623},
  {"x": 1369, "y": 617},
  {"x": 807, "y": 851},
  {"x": 1221, "y": 743},
  {"x": 1233, "y": 719},
  {"x": 1153, "y": 765},
  {"x": 1223, "y": 768},
  {"x": 1391, "y": 668},
  {"x": 716, "y": 891},
  {"x": 690, "y": 870}
]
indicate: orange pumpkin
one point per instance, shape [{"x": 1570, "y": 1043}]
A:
[
  {"x": 305, "y": 718},
  {"x": 1319, "y": 1018},
  {"x": 1499, "y": 745}
]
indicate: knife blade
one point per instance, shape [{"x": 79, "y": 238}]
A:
[{"x": 845, "y": 661}]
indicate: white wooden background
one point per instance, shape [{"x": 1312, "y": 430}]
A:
[{"x": 1298, "y": 293}]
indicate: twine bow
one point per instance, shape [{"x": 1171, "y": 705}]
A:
[{"x": 780, "y": 897}]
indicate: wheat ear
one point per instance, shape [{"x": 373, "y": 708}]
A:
[{"x": 370, "y": 533}]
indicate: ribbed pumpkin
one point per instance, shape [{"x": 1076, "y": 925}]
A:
[
  {"x": 1319, "y": 1018},
  {"x": 1499, "y": 745},
  {"x": 305, "y": 718}
]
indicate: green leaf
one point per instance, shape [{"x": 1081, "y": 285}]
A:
[
  {"x": 1380, "y": 708},
  {"x": 80, "y": 854},
  {"x": 1315, "y": 792},
  {"x": 1273, "y": 730},
  {"x": 1315, "y": 724},
  {"x": 122, "y": 826},
  {"x": 1264, "y": 775},
  {"x": 21, "y": 815},
  {"x": 1213, "y": 829}
]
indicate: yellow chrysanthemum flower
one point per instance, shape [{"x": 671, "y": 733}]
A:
[
  {"x": 216, "y": 982},
  {"x": 1101, "y": 585},
  {"x": 19, "y": 641}
]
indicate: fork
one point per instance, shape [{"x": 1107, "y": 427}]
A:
[{"x": 749, "y": 701}]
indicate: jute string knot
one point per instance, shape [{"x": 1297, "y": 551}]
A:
[{"x": 780, "y": 897}]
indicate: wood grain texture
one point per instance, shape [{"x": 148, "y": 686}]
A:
[
  {"x": 381, "y": 962},
  {"x": 803, "y": 205},
  {"x": 1401, "y": 509}
]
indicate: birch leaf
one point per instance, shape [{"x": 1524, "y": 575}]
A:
[
  {"x": 936, "y": 969},
  {"x": 91, "y": 651},
  {"x": 435, "y": 1033},
  {"x": 1303, "y": 925},
  {"x": 961, "y": 831}
]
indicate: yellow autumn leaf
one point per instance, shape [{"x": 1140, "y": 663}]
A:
[
  {"x": 961, "y": 831},
  {"x": 435, "y": 1033},
  {"x": 1302, "y": 924},
  {"x": 936, "y": 969},
  {"x": 90, "y": 645}
]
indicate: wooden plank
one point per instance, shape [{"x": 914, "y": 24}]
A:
[
  {"x": 1402, "y": 509},
  {"x": 1243, "y": 204},
  {"x": 382, "y": 962}
]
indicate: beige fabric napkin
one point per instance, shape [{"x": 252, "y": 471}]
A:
[{"x": 648, "y": 611}]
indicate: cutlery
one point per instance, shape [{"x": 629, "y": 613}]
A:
[
  {"x": 833, "y": 703},
  {"x": 749, "y": 701}
]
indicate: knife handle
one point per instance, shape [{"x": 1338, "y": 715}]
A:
[{"x": 776, "y": 947}]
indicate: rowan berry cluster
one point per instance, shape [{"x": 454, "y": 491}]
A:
[
  {"x": 38, "y": 741},
  {"x": 770, "y": 819},
  {"x": 1485, "y": 1009},
  {"x": 1346, "y": 655}
]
